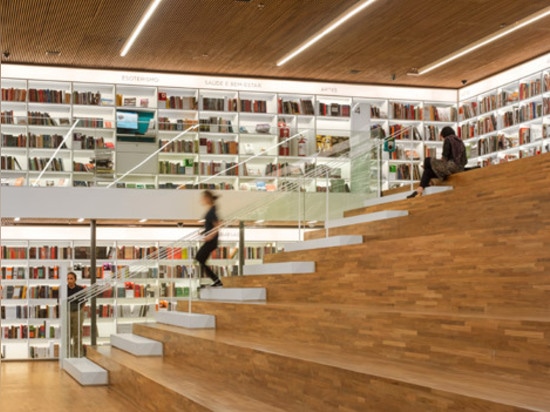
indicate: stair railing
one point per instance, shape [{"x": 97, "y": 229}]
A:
[{"x": 363, "y": 148}]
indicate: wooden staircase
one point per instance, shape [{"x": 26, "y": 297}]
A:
[{"x": 446, "y": 309}]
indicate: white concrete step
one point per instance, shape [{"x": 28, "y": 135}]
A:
[
  {"x": 282, "y": 268},
  {"x": 366, "y": 218},
  {"x": 233, "y": 294},
  {"x": 85, "y": 372},
  {"x": 332, "y": 241},
  {"x": 432, "y": 190},
  {"x": 186, "y": 320},
  {"x": 136, "y": 345}
]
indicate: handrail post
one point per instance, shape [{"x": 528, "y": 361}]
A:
[
  {"x": 93, "y": 279},
  {"x": 241, "y": 247},
  {"x": 299, "y": 212},
  {"x": 326, "y": 201}
]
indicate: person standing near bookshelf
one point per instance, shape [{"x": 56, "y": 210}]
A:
[
  {"x": 210, "y": 236},
  {"x": 76, "y": 317},
  {"x": 453, "y": 161}
]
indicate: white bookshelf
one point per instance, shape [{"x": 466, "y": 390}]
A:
[
  {"x": 507, "y": 122},
  {"x": 248, "y": 114}
]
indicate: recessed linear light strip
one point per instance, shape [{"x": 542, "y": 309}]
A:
[
  {"x": 137, "y": 30},
  {"x": 326, "y": 30},
  {"x": 485, "y": 41}
]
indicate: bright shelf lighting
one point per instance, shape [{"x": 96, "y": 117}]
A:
[
  {"x": 80, "y": 220},
  {"x": 16, "y": 219},
  {"x": 137, "y": 30},
  {"x": 331, "y": 27},
  {"x": 143, "y": 221},
  {"x": 486, "y": 40}
]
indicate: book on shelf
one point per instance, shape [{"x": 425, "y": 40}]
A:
[
  {"x": 486, "y": 124},
  {"x": 217, "y": 168},
  {"x": 93, "y": 122},
  {"x": 50, "y": 252},
  {"x": 440, "y": 114},
  {"x": 40, "y": 119},
  {"x": 49, "y": 96},
  {"x": 44, "y": 272},
  {"x": 467, "y": 130},
  {"x": 9, "y": 140},
  {"x": 406, "y": 111},
  {"x": 468, "y": 110},
  {"x": 14, "y": 95},
  {"x": 524, "y": 135},
  {"x": 46, "y": 141},
  {"x": 407, "y": 172},
  {"x": 165, "y": 123},
  {"x": 87, "y": 98},
  {"x": 179, "y": 146},
  {"x": 215, "y": 125},
  {"x": 177, "y": 102},
  {"x": 129, "y": 102},
  {"x": 401, "y": 132},
  {"x": 38, "y": 164},
  {"x": 10, "y": 163},
  {"x": 247, "y": 105},
  {"x": 334, "y": 109},
  {"x": 506, "y": 97},
  {"x": 13, "y": 272},
  {"x": 13, "y": 252},
  {"x": 530, "y": 89},
  {"x": 215, "y": 104}
]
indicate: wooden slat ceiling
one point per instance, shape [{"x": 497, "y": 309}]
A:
[{"x": 240, "y": 38}]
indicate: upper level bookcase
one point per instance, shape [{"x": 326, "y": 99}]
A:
[
  {"x": 238, "y": 120},
  {"x": 507, "y": 117}
]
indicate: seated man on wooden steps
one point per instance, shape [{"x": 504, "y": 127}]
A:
[{"x": 453, "y": 161}]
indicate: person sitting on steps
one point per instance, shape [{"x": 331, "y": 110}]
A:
[{"x": 453, "y": 161}]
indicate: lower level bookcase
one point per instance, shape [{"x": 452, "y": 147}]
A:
[{"x": 141, "y": 276}]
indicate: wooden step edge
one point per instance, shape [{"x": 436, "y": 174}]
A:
[
  {"x": 299, "y": 306},
  {"x": 166, "y": 385},
  {"x": 531, "y": 396}
]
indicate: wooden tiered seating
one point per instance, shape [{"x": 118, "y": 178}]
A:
[{"x": 447, "y": 309}]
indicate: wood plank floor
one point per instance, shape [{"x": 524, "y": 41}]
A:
[{"x": 44, "y": 387}]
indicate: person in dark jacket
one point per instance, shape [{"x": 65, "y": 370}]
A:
[
  {"x": 76, "y": 319},
  {"x": 210, "y": 232},
  {"x": 453, "y": 161}
]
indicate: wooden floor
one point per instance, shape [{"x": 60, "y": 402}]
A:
[{"x": 43, "y": 387}]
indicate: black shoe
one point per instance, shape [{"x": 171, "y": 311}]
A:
[
  {"x": 217, "y": 284},
  {"x": 413, "y": 194}
]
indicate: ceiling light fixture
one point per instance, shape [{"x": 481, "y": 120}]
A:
[
  {"x": 482, "y": 42},
  {"x": 327, "y": 29},
  {"x": 143, "y": 220},
  {"x": 80, "y": 220},
  {"x": 137, "y": 30},
  {"x": 16, "y": 219}
]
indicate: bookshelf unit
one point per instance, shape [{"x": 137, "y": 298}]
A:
[
  {"x": 507, "y": 122},
  {"x": 149, "y": 275},
  {"x": 415, "y": 126},
  {"x": 234, "y": 124}
]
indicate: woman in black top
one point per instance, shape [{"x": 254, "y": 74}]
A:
[
  {"x": 453, "y": 161},
  {"x": 210, "y": 233}
]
